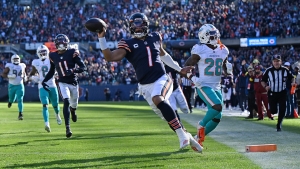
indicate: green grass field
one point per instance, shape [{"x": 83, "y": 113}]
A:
[{"x": 106, "y": 135}]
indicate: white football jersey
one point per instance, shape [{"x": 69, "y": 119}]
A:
[
  {"x": 18, "y": 70},
  {"x": 210, "y": 64},
  {"x": 43, "y": 68}
]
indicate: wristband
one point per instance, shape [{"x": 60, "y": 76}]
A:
[{"x": 102, "y": 42}]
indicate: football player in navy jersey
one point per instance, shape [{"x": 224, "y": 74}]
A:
[
  {"x": 145, "y": 52},
  {"x": 64, "y": 60},
  {"x": 227, "y": 89}
]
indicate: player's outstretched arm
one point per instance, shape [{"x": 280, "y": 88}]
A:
[
  {"x": 81, "y": 65},
  {"x": 193, "y": 60},
  {"x": 115, "y": 55},
  {"x": 51, "y": 72}
]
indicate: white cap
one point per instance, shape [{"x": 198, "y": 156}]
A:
[{"x": 287, "y": 64}]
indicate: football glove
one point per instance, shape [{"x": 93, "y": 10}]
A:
[{"x": 45, "y": 86}]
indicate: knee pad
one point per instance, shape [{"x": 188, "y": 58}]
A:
[
  {"x": 216, "y": 120},
  {"x": 217, "y": 107}
]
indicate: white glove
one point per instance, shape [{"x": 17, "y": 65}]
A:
[
  {"x": 229, "y": 68},
  {"x": 12, "y": 76},
  {"x": 197, "y": 81},
  {"x": 34, "y": 79}
]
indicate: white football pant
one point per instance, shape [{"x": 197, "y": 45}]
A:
[
  {"x": 161, "y": 87},
  {"x": 70, "y": 92},
  {"x": 177, "y": 99}
]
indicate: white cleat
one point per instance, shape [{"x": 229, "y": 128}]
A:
[
  {"x": 47, "y": 128},
  {"x": 58, "y": 119},
  {"x": 194, "y": 144},
  {"x": 184, "y": 141}
]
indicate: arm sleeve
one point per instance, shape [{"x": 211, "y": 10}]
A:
[
  {"x": 81, "y": 65},
  {"x": 50, "y": 73}
]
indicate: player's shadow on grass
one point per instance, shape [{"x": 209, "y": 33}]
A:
[
  {"x": 15, "y": 144},
  {"x": 112, "y": 161}
]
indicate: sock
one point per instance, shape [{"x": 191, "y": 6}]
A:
[
  {"x": 56, "y": 109},
  {"x": 179, "y": 122},
  {"x": 47, "y": 124},
  {"x": 169, "y": 115},
  {"x": 210, "y": 114},
  {"x": 211, "y": 125},
  {"x": 45, "y": 113},
  {"x": 66, "y": 112},
  {"x": 20, "y": 105}
]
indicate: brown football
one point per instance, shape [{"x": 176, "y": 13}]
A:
[{"x": 95, "y": 25}]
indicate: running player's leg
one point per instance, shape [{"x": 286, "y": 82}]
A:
[
  {"x": 212, "y": 124},
  {"x": 44, "y": 95},
  {"x": 11, "y": 94},
  {"x": 74, "y": 93},
  {"x": 160, "y": 92},
  {"x": 53, "y": 96},
  {"x": 65, "y": 93},
  {"x": 214, "y": 105},
  {"x": 20, "y": 95}
]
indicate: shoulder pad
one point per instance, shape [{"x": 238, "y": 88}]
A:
[{"x": 198, "y": 49}]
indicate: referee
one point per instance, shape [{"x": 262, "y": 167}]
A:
[
  {"x": 187, "y": 91},
  {"x": 274, "y": 80}
]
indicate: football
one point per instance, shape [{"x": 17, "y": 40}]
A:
[{"x": 95, "y": 25}]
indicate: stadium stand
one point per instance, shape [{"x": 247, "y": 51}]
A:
[{"x": 43, "y": 20}]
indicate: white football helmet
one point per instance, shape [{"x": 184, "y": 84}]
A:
[
  {"x": 15, "y": 59},
  {"x": 209, "y": 34},
  {"x": 42, "y": 52}
]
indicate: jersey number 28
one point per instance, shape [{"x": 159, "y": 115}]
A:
[{"x": 213, "y": 63}]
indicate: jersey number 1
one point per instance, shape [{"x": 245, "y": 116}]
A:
[
  {"x": 218, "y": 67},
  {"x": 149, "y": 56}
]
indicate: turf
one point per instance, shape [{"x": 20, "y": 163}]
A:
[
  {"x": 106, "y": 135},
  {"x": 288, "y": 124}
]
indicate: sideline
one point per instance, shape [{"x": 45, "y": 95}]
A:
[{"x": 237, "y": 134}]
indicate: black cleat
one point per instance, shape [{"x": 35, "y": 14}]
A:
[
  {"x": 73, "y": 114},
  {"x": 9, "y": 105},
  {"x": 20, "y": 117},
  {"x": 68, "y": 133},
  {"x": 249, "y": 117}
]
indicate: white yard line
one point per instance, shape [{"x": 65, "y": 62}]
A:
[{"x": 237, "y": 134}]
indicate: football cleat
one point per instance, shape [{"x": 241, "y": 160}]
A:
[
  {"x": 9, "y": 105},
  {"x": 194, "y": 144},
  {"x": 68, "y": 133},
  {"x": 47, "y": 128},
  {"x": 200, "y": 134},
  {"x": 20, "y": 117},
  {"x": 58, "y": 119},
  {"x": 73, "y": 114},
  {"x": 184, "y": 141}
]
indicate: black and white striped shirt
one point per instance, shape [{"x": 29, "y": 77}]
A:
[
  {"x": 276, "y": 78},
  {"x": 186, "y": 82}
]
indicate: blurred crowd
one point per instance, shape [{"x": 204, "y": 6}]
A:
[
  {"x": 44, "y": 19},
  {"x": 101, "y": 72}
]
